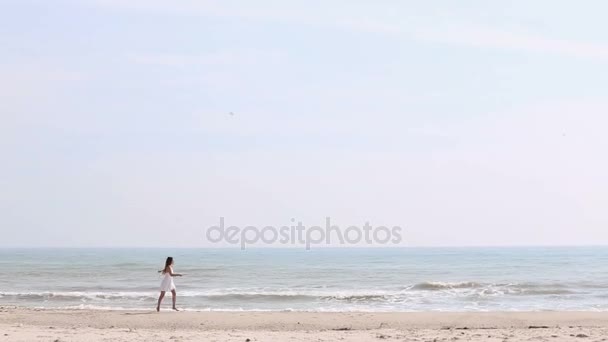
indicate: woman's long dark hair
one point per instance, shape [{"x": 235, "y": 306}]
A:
[{"x": 168, "y": 263}]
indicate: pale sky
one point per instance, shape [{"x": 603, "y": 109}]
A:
[{"x": 465, "y": 122}]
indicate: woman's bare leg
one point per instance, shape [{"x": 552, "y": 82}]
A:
[
  {"x": 160, "y": 299},
  {"x": 174, "y": 294}
]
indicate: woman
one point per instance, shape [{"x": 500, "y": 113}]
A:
[{"x": 167, "y": 283}]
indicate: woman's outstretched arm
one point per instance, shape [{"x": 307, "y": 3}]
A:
[{"x": 173, "y": 274}]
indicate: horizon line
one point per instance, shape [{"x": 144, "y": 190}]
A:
[{"x": 301, "y": 247}]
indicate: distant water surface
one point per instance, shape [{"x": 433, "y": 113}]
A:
[{"x": 409, "y": 279}]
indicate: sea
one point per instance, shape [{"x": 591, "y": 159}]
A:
[{"x": 323, "y": 279}]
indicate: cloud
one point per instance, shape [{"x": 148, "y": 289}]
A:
[
  {"x": 207, "y": 7},
  {"x": 483, "y": 37},
  {"x": 25, "y": 81},
  {"x": 228, "y": 57},
  {"x": 426, "y": 27}
]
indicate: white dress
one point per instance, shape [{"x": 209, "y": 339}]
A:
[{"x": 167, "y": 282}]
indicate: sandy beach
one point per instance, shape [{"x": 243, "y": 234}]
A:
[{"x": 18, "y": 324}]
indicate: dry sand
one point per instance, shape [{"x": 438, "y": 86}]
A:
[{"x": 80, "y": 325}]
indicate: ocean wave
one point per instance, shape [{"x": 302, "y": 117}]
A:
[
  {"x": 425, "y": 290},
  {"x": 433, "y": 286},
  {"x": 71, "y": 295},
  {"x": 481, "y": 289}
]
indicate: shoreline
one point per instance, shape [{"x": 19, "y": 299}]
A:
[
  {"x": 24, "y": 324},
  {"x": 298, "y": 320}
]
